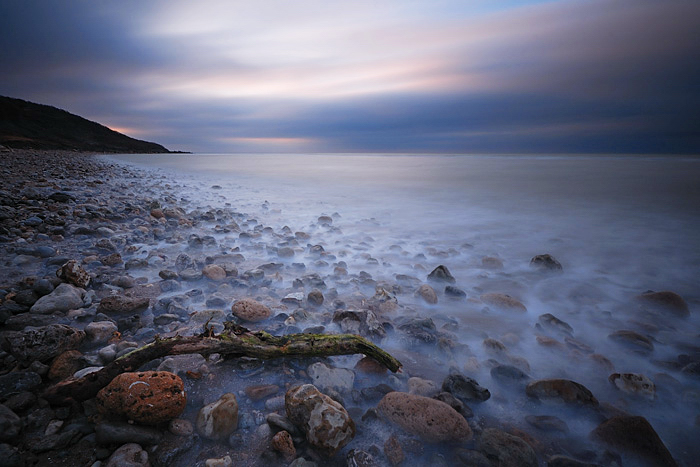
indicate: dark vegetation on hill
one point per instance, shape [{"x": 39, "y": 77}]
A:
[{"x": 25, "y": 125}]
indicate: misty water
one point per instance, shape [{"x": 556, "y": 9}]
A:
[{"x": 619, "y": 225}]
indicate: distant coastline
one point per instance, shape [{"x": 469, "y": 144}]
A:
[{"x": 27, "y": 125}]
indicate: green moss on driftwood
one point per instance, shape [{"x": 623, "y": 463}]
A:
[{"x": 234, "y": 341}]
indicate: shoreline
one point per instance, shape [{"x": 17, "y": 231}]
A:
[{"x": 176, "y": 266}]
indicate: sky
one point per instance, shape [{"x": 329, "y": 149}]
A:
[{"x": 404, "y": 76}]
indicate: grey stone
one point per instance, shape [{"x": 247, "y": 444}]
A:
[{"x": 65, "y": 297}]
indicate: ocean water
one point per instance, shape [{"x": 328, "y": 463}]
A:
[{"x": 619, "y": 225}]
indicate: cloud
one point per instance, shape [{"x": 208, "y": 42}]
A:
[{"x": 444, "y": 76}]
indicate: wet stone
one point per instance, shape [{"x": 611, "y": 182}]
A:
[
  {"x": 547, "y": 423},
  {"x": 116, "y": 433},
  {"x": 666, "y": 301},
  {"x": 148, "y": 397},
  {"x": 432, "y": 420},
  {"x": 635, "y": 436},
  {"x": 464, "y": 388},
  {"x": 427, "y": 293},
  {"x": 503, "y": 302},
  {"x": 561, "y": 390},
  {"x": 550, "y": 322},
  {"x": 250, "y": 310},
  {"x": 506, "y": 449},
  {"x": 128, "y": 455},
  {"x": 545, "y": 262},
  {"x": 441, "y": 274},
  {"x": 42, "y": 343},
  {"x": 633, "y": 340},
  {"x": 455, "y": 292},
  {"x": 635, "y": 384},
  {"x": 219, "y": 419}
]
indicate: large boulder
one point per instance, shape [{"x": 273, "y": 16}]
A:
[
  {"x": 43, "y": 343},
  {"x": 431, "y": 419},
  {"x": 219, "y": 419},
  {"x": 561, "y": 390},
  {"x": 251, "y": 310},
  {"x": 635, "y": 436},
  {"x": 326, "y": 423},
  {"x": 148, "y": 397},
  {"x": 65, "y": 297}
]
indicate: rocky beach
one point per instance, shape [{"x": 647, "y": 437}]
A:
[{"x": 507, "y": 359}]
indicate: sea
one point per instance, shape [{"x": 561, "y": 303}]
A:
[{"x": 620, "y": 226}]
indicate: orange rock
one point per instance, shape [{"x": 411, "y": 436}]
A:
[{"x": 148, "y": 397}]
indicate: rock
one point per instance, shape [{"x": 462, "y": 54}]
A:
[
  {"x": 454, "y": 292},
  {"x": 219, "y": 419},
  {"x": 324, "y": 377},
  {"x": 503, "y": 302},
  {"x": 635, "y": 436},
  {"x": 148, "y": 397},
  {"x": 180, "y": 427},
  {"x": 225, "y": 461},
  {"x": 432, "y": 420},
  {"x": 666, "y": 301},
  {"x": 259, "y": 392},
  {"x": 508, "y": 373},
  {"x": 326, "y": 423},
  {"x": 122, "y": 304},
  {"x": 545, "y": 262},
  {"x": 455, "y": 403},
  {"x": 547, "y": 423},
  {"x": 360, "y": 458},
  {"x": 363, "y": 322},
  {"x": 325, "y": 220},
  {"x": 491, "y": 262},
  {"x": 43, "y": 287},
  {"x": 464, "y": 388},
  {"x": 441, "y": 274},
  {"x": 111, "y": 432},
  {"x": 563, "y": 461},
  {"x": 562, "y": 390},
  {"x": 248, "y": 309},
  {"x": 393, "y": 451},
  {"x": 633, "y": 340},
  {"x": 20, "y": 401},
  {"x": 552, "y": 323},
  {"x": 54, "y": 441},
  {"x": 635, "y": 384},
  {"x": 315, "y": 298},
  {"x": 471, "y": 458},
  {"x": 422, "y": 387},
  {"x": 285, "y": 252},
  {"x": 190, "y": 274},
  {"x": 282, "y": 442},
  {"x": 427, "y": 293},
  {"x": 100, "y": 332},
  {"x": 505, "y": 449},
  {"x": 294, "y": 298},
  {"x": 18, "y": 381},
  {"x": 214, "y": 272},
  {"x": 42, "y": 343},
  {"x": 64, "y": 298},
  {"x": 10, "y": 456},
  {"x": 73, "y": 273},
  {"x": 128, "y": 455},
  {"x": 65, "y": 365},
  {"x": 10, "y": 424}
]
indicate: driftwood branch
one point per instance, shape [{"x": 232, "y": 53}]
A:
[{"x": 234, "y": 341}]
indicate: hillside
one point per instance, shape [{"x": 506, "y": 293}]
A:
[{"x": 25, "y": 125}]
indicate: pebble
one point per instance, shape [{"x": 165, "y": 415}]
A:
[
  {"x": 635, "y": 384},
  {"x": 111, "y": 432},
  {"x": 282, "y": 442},
  {"x": 251, "y": 310},
  {"x": 464, "y": 388},
  {"x": 325, "y": 422},
  {"x": 325, "y": 377},
  {"x": 427, "y": 293},
  {"x": 43, "y": 343},
  {"x": 10, "y": 424},
  {"x": 503, "y": 302},
  {"x": 635, "y": 436},
  {"x": 128, "y": 455},
  {"x": 219, "y": 419},
  {"x": 441, "y": 274},
  {"x": 100, "y": 332}
]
